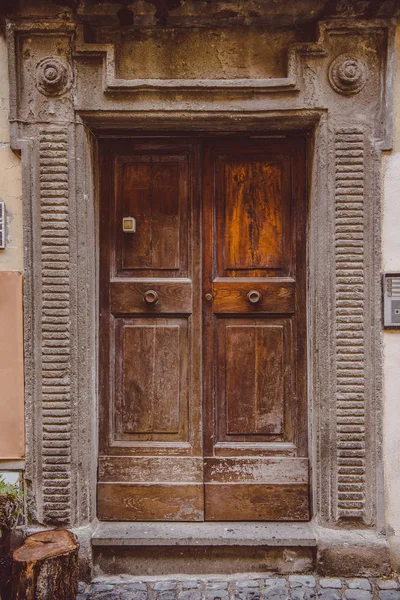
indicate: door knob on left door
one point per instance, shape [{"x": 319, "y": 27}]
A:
[
  {"x": 254, "y": 296},
  {"x": 151, "y": 297}
]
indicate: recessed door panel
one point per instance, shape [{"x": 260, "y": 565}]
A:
[
  {"x": 151, "y": 374},
  {"x": 253, "y": 215},
  {"x": 251, "y": 378},
  {"x": 153, "y": 190}
]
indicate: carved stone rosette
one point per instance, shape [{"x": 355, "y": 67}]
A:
[
  {"x": 53, "y": 77},
  {"x": 348, "y": 75}
]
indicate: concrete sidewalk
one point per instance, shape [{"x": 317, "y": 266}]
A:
[{"x": 241, "y": 587}]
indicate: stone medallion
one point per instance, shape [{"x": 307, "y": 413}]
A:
[
  {"x": 53, "y": 77},
  {"x": 348, "y": 75}
]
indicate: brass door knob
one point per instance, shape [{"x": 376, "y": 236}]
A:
[
  {"x": 254, "y": 296},
  {"x": 151, "y": 297},
  {"x": 209, "y": 297}
]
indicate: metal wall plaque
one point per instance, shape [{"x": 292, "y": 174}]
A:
[
  {"x": 2, "y": 226},
  {"x": 391, "y": 300}
]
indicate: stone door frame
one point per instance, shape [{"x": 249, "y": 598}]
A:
[{"x": 64, "y": 94}]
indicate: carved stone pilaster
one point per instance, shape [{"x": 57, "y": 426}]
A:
[
  {"x": 55, "y": 325},
  {"x": 349, "y": 312}
]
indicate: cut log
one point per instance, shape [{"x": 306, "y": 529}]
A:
[
  {"x": 5, "y": 565},
  {"x": 45, "y": 567}
]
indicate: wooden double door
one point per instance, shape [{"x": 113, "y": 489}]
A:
[{"x": 203, "y": 411}]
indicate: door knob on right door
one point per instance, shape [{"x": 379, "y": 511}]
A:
[{"x": 151, "y": 297}]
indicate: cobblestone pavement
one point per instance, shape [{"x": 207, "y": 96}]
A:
[{"x": 250, "y": 587}]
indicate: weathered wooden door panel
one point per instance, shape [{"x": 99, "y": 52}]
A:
[
  {"x": 251, "y": 218},
  {"x": 256, "y": 502},
  {"x": 154, "y": 189},
  {"x": 151, "y": 502},
  {"x": 151, "y": 376},
  {"x": 276, "y": 296},
  {"x": 251, "y": 210},
  {"x": 174, "y": 296},
  {"x": 150, "y": 464},
  {"x": 268, "y": 470},
  {"x": 254, "y": 331},
  {"x": 253, "y": 378}
]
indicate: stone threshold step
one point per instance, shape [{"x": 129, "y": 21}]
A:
[{"x": 118, "y": 533}]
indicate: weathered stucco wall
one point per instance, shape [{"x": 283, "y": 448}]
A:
[
  {"x": 11, "y": 260},
  {"x": 391, "y": 339},
  {"x": 11, "y": 266}
]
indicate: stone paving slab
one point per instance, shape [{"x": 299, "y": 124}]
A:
[{"x": 241, "y": 587}]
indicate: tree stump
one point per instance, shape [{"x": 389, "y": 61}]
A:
[
  {"x": 5, "y": 565},
  {"x": 45, "y": 567}
]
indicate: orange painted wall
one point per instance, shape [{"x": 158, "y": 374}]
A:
[{"x": 12, "y": 439}]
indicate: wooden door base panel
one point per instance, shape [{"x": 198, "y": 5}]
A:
[
  {"x": 256, "y": 502},
  {"x": 153, "y": 502}
]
